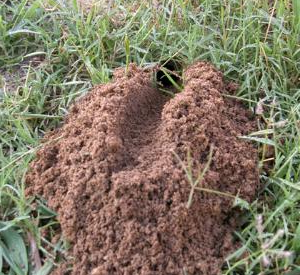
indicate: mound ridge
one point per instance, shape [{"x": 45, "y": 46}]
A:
[{"x": 119, "y": 190}]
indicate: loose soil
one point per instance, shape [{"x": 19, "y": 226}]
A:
[{"x": 120, "y": 192}]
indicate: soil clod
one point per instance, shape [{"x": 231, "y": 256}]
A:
[{"x": 120, "y": 192}]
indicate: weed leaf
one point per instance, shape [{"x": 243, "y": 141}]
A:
[
  {"x": 14, "y": 251},
  {"x": 45, "y": 269}
]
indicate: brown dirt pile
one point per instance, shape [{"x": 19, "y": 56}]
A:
[{"x": 121, "y": 193}]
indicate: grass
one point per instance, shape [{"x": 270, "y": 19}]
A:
[
  {"x": 64, "y": 51},
  {"x": 195, "y": 183}
]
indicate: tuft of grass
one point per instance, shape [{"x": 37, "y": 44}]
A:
[{"x": 65, "y": 50}]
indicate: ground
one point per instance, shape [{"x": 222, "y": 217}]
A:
[{"x": 53, "y": 52}]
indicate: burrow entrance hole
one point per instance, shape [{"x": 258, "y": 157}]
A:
[{"x": 166, "y": 70}]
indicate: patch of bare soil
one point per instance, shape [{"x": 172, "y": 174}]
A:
[
  {"x": 15, "y": 77},
  {"x": 121, "y": 193},
  {"x": 11, "y": 80}
]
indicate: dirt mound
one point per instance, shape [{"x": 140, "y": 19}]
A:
[{"x": 112, "y": 174}]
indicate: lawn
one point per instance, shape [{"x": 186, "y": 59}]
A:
[{"x": 54, "y": 51}]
